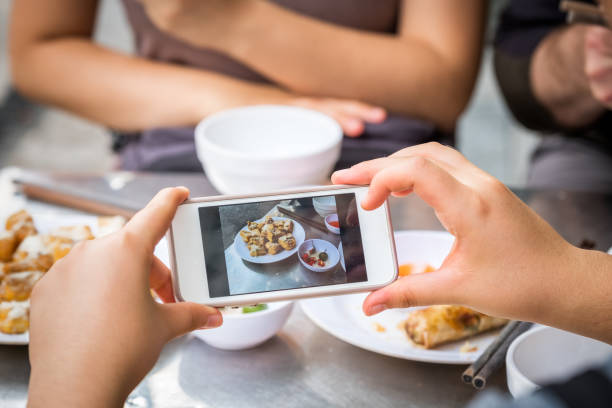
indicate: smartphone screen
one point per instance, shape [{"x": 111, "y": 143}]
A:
[{"x": 282, "y": 244}]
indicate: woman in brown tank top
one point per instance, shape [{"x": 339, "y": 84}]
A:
[{"x": 393, "y": 73}]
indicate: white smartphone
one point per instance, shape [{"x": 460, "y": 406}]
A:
[{"x": 239, "y": 250}]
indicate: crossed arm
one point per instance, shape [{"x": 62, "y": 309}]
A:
[{"x": 436, "y": 52}]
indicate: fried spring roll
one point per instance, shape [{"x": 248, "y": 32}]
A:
[{"x": 436, "y": 325}]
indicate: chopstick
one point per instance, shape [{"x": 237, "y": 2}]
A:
[
  {"x": 578, "y": 12},
  {"x": 314, "y": 224},
  {"x": 493, "y": 357}
]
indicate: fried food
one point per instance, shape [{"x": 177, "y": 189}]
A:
[
  {"x": 273, "y": 248},
  {"x": 43, "y": 263},
  {"x": 264, "y": 238},
  {"x": 256, "y": 250},
  {"x": 18, "y": 286},
  {"x": 8, "y": 244},
  {"x": 22, "y": 224},
  {"x": 253, "y": 225},
  {"x": 14, "y": 317},
  {"x": 246, "y": 235},
  {"x": 287, "y": 241},
  {"x": 437, "y": 325}
]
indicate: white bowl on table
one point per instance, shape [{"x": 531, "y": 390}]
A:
[
  {"x": 267, "y": 147},
  {"x": 246, "y": 330},
  {"x": 544, "y": 355},
  {"x": 331, "y": 228},
  {"x": 325, "y": 205},
  {"x": 333, "y": 256}
]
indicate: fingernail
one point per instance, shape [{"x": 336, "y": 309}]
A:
[
  {"x": 213, "y": 321},
  {"x": 377, "y": 309},
  {"x": 340, "y": 173},
  {"x": 378, "y": 114}
]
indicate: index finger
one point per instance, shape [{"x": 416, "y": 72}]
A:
[{"x": 152, "y": 222}]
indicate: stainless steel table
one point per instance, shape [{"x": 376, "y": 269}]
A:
[{"x": 306, "y": 367}]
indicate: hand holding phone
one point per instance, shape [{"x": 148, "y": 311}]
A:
[
  {"x": 253, "y": 249},
  {"x": 506, "y": 261}
]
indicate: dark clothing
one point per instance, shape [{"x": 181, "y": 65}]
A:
[
  {"x": 592, "y": 388},
  {"x": 524, "y": 24},
  {"x": 173, "y": 148}
]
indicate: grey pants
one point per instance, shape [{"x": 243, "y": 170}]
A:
[{"x": 572, "y": 164}]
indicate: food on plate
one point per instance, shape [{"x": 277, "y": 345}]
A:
[
  {"x": 287, "y": 241},
  {"x": 256, "y": 250},
  {"x": 379, "y": 327},
  {"x": 8, "y": 244},
  {"x": 437, "y": 325},
  {"x": 25, "y": 255},
  {"x": 334, "y": 223},
  {"x": 269, "y": 237},
  {"x": 42, "y": 263},
  {"x": 14, "y": 317},
  {"x": 410, "y": 268},
  {"x": 18, "y": 286},
  {"x": 315, "y": 258},
  {"x": 273, "y": 248},
  {"x": 22, "y": 224}
]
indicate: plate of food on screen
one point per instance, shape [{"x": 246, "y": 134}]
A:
[{"x": 269, "y": 239}]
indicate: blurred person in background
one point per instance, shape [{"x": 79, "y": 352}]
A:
[
  {"x": 393, "y": 73},
  {"x": 557, "y": 78}
]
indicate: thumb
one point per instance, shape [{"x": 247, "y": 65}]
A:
[
  {"x": 184, "y": 317},
  {"x": 422, "y": 289}
]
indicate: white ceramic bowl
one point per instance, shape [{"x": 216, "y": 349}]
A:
[
  {"x": 331, "y": 228},
  {"x": 247, "y": 330},
  {"x": 544, "y": 355},
  {"x": 267, "y": 147},
  {"x": 325, "y": 205},
  {"x": 320, "y": 245}
]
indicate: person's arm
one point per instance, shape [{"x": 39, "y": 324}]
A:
[
  {"x": 427, "y": 70},
  {"x": 506, "y": 260},
  {"x": 54, "y": 60},
  {"x": 559, "y": 79},
  {"x": 95, "y": 329}
]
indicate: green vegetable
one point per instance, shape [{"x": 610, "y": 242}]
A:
[
  {"x": 253, "y": 309},
  {"x": 323, "y": 256}
]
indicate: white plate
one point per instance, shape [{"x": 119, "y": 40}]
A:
[
  {"x": 343, "y": 317},
  {"x": 243, "y": 251},
  {"x": 46, "y": 221}
]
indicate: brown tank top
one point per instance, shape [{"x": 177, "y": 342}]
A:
[{"x": 173, "y": 148}]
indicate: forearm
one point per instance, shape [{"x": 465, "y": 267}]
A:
[
  {"x": 577, "y": 296},
  {"x": 317, "y": 58},
  {"x": 404, "y": 73},
  {"x": 558, "y": 78},
  {"x": 126, "y": 92}
]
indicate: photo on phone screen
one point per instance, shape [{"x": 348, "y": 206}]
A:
[{"x": 282, "y": 244}]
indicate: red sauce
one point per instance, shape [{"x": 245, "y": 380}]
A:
[{"x": 334, "y": 224}]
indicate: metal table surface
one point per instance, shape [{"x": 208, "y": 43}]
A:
[{"x": 306, "y": 367}]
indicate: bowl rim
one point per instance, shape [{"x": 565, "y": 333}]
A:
[
  {"x": 511, "y": 364},
  {"x": 283, "y": 304},
  {"x": 335, "y": 230},
  {"x": 199, "y": 133}
]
